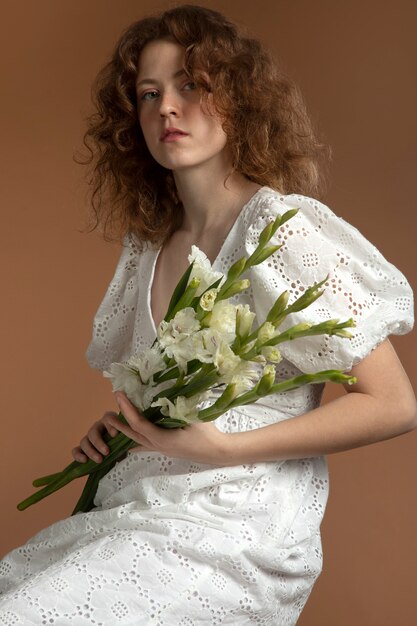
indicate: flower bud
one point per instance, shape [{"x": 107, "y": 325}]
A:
[
  {"x": 267, "y": 380},
  {"x": 310, "y": 295},
  {"x": 343, "y": 333},
  {"x": 236, "y": 287},
  {"x": 266, "y": 332},
  {"x": 236, "y": 269},
  {"x": 244, "y": 321},
  {"x": 259, "y": 358},
  {"x": 264, "y": 254},
  {"x": 228, "y": 395},
  {"x": 288, "y": 215},
  {"x": 301, "y": 327},
  {"x": 271, "y": 354},
  {"x": 276, "y": 313},
  {"x": 266, "y": 234},
  {"x": 208, "y": 299}
]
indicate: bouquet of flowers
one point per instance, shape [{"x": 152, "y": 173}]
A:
[{"x": 205, "y": 360}]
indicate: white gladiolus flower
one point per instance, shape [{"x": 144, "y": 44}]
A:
[
  {"x": 148, "y": 395},
  {"x": 223, "y": 319},
  {"x": 189, "y": 348},
  {"x": 225, "y": 359},
  {"x": 203, "y": 271},
  {"x": 233, "y": 369},
  {"x": 183, "y": 324},
  {"x": 208, "y": 299},
  {"x": 244, "y": 377},
  {"x": 211, "y": 340},
  {"x": 148, "y": 363},
  {"x": 124, "y": 378},
  {"x": 182, "y": 408},
  {"x": 207, "y": 344}
]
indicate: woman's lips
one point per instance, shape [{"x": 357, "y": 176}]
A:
[
  {"x": 172, "y": 134},
  {"x": 173, "y": 137}
]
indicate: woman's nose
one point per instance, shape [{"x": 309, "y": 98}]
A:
[{"x": 169, "y": 104}]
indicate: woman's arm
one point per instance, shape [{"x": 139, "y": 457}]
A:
[{"x": 381, "y": 405}]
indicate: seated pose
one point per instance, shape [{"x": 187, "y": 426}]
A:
[{"x": 201, "y": 140}]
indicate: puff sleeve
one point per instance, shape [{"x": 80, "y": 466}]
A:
[
  {"x": 362, "y": 284},
  {"x": 114, "y": 321}
]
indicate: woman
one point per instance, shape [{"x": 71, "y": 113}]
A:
[{"x": 202, "y": 141}]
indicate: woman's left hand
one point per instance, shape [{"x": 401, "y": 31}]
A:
[{"x": 200, "y": 442}]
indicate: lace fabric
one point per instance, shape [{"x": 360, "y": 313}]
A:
[{"x": 174, "y": 542}]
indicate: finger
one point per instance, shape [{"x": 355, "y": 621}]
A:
[
  {"x": 133, "y": 416},
  {"x": 88, "y": 449},
  {"x": 131, "y": 433},
  {"x": 109, "y": 428},
  {"x": 95, "y": 436},
  {"x": 78, "y": 455}
]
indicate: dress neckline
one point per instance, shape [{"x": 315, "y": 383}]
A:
[{"x": 156, "y": 251}]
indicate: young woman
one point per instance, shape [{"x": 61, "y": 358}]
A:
[{"x": 201, "y": 140}]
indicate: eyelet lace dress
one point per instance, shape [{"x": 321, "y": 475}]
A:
[{"x": 177, "y": 543}]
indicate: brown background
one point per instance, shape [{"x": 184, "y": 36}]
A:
[{"x": 355, "y": 61}]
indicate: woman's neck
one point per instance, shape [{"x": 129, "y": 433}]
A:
[{"x": 211, "y": 205}]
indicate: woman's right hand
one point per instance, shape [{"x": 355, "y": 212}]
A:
[{"x": 93, "y": 445}]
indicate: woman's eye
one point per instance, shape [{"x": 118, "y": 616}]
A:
[
  {"x": 148, "y": 93},
  {"x": 190, "y": 85}
]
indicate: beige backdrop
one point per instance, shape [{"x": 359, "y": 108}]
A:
[{"x": 355, "y": 62}]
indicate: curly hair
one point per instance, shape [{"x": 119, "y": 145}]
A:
[{"x": 267, "y": 126}]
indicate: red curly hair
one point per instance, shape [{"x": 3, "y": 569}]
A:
[{"x": 264, "y": 117}]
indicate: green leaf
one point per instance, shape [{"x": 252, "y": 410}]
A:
[
  {"x": 186, "y": 299},
  {"x": 178, "y": 291}
]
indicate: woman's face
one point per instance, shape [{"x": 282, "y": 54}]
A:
[{"x": 168, "y": 99}]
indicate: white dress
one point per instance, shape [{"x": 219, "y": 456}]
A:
[{"x": 178, "y": 543}]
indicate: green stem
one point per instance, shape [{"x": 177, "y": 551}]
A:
[
  {"x": 211, "y": 413},
  {"x": 118, "y": 445},
  {"x": 45, "y": 480},
  {"x": 292, "y": 333},
  {"x": 86, "y": 500}
]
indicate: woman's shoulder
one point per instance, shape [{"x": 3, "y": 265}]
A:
[
  {"x": 315, "y": 225},
  {"x": 274, "y": 202},
  {"x": 315, "y": 245}
]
